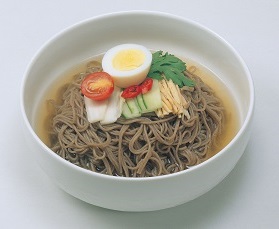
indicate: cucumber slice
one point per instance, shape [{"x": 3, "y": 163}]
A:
[
  {"x": 152, "y": 99},
  {"x": 141, "y": 104},
  {"x": 126, "y": 112},
  {"x": 133, "y": 106}
]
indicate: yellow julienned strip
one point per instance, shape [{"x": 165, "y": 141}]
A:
[{"x": 173, "y": 101}]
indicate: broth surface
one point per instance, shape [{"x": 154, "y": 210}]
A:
[{"x": 231, "y": 122}]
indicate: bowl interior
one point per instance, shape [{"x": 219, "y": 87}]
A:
[{"x": 153, "y": 30}]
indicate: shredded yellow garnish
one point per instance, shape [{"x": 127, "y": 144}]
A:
[{"x": 173, "y": 100}]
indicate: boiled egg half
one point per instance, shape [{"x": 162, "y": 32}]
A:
[{"x": 128, "y": 64}]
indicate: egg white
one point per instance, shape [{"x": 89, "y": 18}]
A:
[{"x": 127, "y": 78}]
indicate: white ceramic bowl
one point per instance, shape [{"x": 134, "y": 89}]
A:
[{"x": 156, "y": 31}]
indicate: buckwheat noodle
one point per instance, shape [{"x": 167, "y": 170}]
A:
[{"x": 141, "y": 147}]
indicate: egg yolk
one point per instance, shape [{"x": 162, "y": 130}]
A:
[{"x": 127, "y": 60}]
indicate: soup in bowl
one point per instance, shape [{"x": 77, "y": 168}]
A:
[{"x": 137, "y": 111}]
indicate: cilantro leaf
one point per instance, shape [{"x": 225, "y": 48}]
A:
[{"x": 171, "y": 67}]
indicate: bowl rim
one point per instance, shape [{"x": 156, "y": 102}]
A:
[{"x": 78, "y": 169}]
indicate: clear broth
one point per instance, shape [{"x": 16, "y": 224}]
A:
[{"x": 231, "y": 124}]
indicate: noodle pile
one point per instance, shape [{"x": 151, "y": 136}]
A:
[{"x": 140, "y": 147}]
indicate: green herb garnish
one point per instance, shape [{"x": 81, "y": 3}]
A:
[{"x": 172, "y": 68}]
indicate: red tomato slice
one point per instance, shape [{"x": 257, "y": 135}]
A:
[
  {"x": 131, "y": 92},
  {"x": 146, "y": 85},
  {"x": 97, "y": 86}
]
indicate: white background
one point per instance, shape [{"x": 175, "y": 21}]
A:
[{"x": 247, "y": 198}]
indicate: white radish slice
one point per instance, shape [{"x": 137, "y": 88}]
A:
[
  {"x": 114, "y": 107},
  {"x": 96, "y": 110}
]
